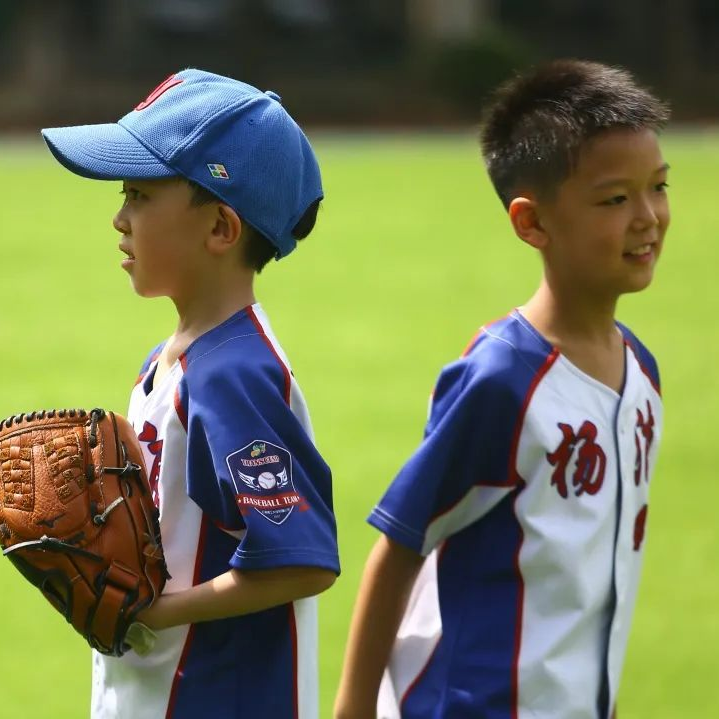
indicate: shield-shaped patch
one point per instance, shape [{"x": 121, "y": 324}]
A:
[{"x": 262, "y": 474}]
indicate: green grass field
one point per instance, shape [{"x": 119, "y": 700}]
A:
[{"x": 412, "y": 253}]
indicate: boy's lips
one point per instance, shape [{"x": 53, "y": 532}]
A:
[
  {"x": 130, "y": 259},
  {"x": 642, "y": 253}
]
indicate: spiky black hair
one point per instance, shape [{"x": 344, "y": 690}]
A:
[{"x": 536, "y": 124}]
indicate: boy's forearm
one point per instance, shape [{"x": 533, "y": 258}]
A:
[
  {"x": 236, "y": 592},
  {"x": 387, "y": 581}
]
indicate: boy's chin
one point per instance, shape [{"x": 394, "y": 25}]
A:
[
  {"x": 144, "y": 291},
  {"x": 638, "y": 284}
]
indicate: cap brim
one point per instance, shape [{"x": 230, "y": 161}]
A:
[{"x": 104, "y": 152}]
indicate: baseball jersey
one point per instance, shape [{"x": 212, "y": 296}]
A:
[
  {"x": 529, "y": 497},
  {"x": 232, "y": 465}
]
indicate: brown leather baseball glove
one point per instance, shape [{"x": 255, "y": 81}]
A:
[{"x": 78, "y": 521}]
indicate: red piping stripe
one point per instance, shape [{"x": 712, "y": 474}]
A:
[
  {"x": 285, "y": 370},
  {"x": 548, "y": 362},
  {"x": 541, "y": 372},
  {"x": 179, "y": 408},
  {"x": 181, "y": 414},
  {"x": 421, "y": 673},
  {"x": 518, "y": 619},
  {"x": 643, "y": 368},
  {"x": 291, "y": 608},
  {"x": 191, "y": 631}
]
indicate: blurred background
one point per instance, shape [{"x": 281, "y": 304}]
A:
[
  {"x": 348, "y": 62},
  {"x": 412, "y": 253}
]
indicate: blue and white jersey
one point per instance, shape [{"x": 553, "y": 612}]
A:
[
  {"x": 239, "y": 483},
  {"x": 529, "y": 497}
]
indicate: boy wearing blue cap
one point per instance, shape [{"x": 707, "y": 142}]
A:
[{"x": 218, "y": 179}]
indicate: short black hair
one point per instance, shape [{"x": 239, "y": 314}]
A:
[
  {"x": 536, "y": 124},
  {"x": 257, "y": 249}
]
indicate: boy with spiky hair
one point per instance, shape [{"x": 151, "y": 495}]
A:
[
  {"x": 504, "y": 582},
  {"x": 217, "y": 180}
]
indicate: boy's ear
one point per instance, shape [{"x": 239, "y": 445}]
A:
[
  {"x": 226, "y": 230},
  {"x": 525, "y": 220}
]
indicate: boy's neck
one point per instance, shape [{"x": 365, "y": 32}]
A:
[
  {"x": 583, "y": 331},
  {"x": 567, "y": 320},
  {"x": 211, "y": 300},
  {"x": 206, "y": 306},
  {"x": 209, "y": 308}
]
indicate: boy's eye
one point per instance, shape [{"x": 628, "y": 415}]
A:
[
  {"x": 130, "y": 193},
  {"x": 616, "y": 200},
  {"x": 661, "y": 187}
]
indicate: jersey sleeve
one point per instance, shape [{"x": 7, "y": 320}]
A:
[
  {"x": 467, "y": 444},
  {"x": 254, "y": 470}
]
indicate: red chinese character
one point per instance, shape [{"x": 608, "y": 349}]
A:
[
  {"x": 590, "y": 460},
  {"x": 644, "y": 431},
  {"x": 154, "y": 447},
  {"x": 640, "y": 524}
]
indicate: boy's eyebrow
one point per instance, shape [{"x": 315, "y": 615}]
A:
[{"x": 612, "y": 182}]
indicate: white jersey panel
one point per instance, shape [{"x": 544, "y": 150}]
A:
[
  {"x": 145, "y": 683},
  {"x": 579, "y": 512},
  {"x": 417, "y": 638},
  {"x": 307, "y": 648},
  {"x": 566, "y": 555}
]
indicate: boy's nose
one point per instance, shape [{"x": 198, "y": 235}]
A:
[
  {"x": 120, "y": 223},
  {"x": 646, "y": 214}
]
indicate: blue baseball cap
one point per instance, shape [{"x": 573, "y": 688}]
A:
[{"x": 229, "y": 137}]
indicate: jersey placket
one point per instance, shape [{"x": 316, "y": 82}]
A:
[{"x": 626, "y": 560}]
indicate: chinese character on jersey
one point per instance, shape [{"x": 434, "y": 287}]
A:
[{"x": 589, "y": 460}]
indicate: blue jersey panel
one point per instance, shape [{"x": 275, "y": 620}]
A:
[
  {"x": 468, "y": 440},
  {"x": 251, "y": 465},
  {"x": 238, "y": 667},
  {"x": 474, "y": 566}
]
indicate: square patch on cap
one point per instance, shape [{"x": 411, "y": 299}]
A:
[{"x": 218, "y": 171}]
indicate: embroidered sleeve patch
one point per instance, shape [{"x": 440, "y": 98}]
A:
[{"x": 262, "y": 475}]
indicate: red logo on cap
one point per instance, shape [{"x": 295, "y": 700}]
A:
[{"x": 162, "y": 87}]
